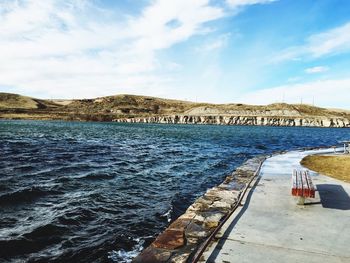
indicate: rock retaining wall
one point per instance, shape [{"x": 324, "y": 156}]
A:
[
  {"x": 181, "y": 240},
  {"x": 244, "y": 120}
]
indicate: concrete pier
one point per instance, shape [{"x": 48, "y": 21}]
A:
[{"x": 271, "y": 227}]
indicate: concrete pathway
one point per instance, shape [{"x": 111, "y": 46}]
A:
[{"x": 270, "y": 227}]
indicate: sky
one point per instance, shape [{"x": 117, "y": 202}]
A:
[{"x": 220, "y": 51}]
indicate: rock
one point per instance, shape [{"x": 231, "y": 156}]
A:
[
  {"x": 232, "y": 186},
  {"x": 186, "y": 233},
  {"x": 228, "y": 179},
  {"x": 152, "y": 255},
  {"x": 198, "y": 219},
  {"x": 222, "y": 206},
  {"x": 195, "y": 230},
  {"x": 182, "y": 258},
  {"x": 188, "y": 215},
  {"x": 179, "y": 224},
  {"x": 244, "y": 173},
  {"x": 198, "y": 206},
  {"x": 212, "y": 219},
  {"x": 223, "y": 195},
  {"x": 204, "y": 200},
  {"x": 170, "y": 239}
]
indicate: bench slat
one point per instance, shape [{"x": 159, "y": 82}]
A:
[
  {"x": 294, "y": 182},
  {"x": 302, "y": 184},
  {"x": 305, "y": 184},
  {"x": 311, "y": 185}
]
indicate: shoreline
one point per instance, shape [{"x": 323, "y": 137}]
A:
[
  {"x": 345, "y": 125},
  {"x": 242, "y": 120},
  {"x": 186, "y": 238},
  {"x": 190, "y": 233},
  {"x": 223, "y": 148}
]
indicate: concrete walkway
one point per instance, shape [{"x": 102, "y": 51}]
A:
[{"x": 270, "y": 227}]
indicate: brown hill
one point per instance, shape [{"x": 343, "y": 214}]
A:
[
  {"x": 15, "y": 101},
  {"x": 15, "y": 106}
]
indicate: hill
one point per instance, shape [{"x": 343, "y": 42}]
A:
[
  {"x": 15, "y": 101},
  {"x": 14, "y": 106}
]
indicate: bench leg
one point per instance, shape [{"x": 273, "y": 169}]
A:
[{"x": 301, "y": 200}]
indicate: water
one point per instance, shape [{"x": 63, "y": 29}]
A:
[{"x": 100, "y": 192}]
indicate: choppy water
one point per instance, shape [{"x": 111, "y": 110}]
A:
[{"x": 99, "y": 192}]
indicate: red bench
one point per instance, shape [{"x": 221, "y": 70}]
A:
[{"x": 302, "y": 186}]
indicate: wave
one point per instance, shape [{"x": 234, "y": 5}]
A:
[
  {"x": 24, "y": 168},
  {"x": 15, "y": 247},
  {"x": 77, "y": 216},
  {"x": 24, "y": 195},
  {"x": 123, "y": 256},
  {"x": 116, "y": 179},
  {"x": 90, "y": 176},
  {"x": 36, "y": 240},
  {"x": 46, "y": 231},
  {"x": 168, "y": 214},
  {"x": 99, "y": 176}
]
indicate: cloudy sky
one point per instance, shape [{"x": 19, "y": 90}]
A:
[{"x": 250, "y": 51}]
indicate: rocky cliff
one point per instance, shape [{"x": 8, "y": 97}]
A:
[{"x": 244, "y": 120}]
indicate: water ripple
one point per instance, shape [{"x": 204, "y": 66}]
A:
[{"x": 100, "y": 192}]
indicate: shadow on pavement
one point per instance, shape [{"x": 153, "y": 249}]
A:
[{"x": 333, "y": 196}]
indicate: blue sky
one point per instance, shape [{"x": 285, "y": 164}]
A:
[{"x": 222, "y": 51}]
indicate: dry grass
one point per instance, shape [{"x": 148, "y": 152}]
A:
[
  {"x": 335, "y": 166},
  {"x": 15, "y": 101},
  {"x": 12, "y": 101},
  {"x": 141, "y": 106},
  {"x": 27, "y": 116},
  {"x": 62, "y": 102}
]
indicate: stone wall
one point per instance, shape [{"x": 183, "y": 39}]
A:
[
  {"x": 243, "y": 120},
  {"x": 181, "y": 240}
]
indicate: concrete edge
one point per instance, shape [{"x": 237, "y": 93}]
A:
[{"x": 187, "y": 237}]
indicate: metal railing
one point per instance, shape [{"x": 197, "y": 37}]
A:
[{"x": 205, "y": 244}]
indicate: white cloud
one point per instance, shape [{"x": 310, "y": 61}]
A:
[
  {"x": 293, "y": 79},
  {"x": 333, "y": 41},
  {"x": 76, "y": 49},
  {"x": 153, "y": 28},
  {"x": 318, "y": 69},
  {"x": 218, "y": 43},
  {"x": 326, "y": 93},
  {"x": 236, "y": 3}
]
